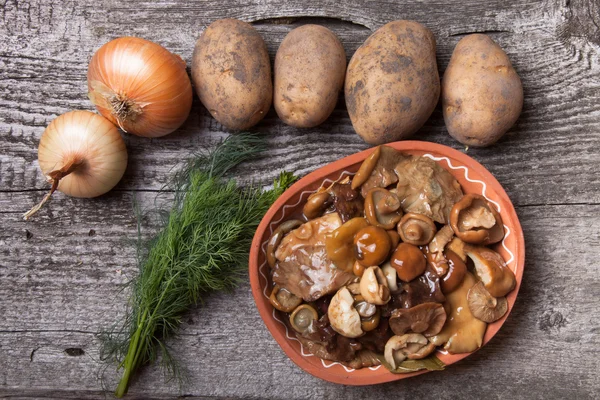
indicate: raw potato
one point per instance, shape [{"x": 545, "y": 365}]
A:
[
  {"x": 232, "y": 73},
  {"x": 482, "y": 95},
  {"x": 392, "y": 83},
  {"x": 309, "y": 73}
]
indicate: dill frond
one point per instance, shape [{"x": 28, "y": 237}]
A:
[{"x": 203, "y": 247}]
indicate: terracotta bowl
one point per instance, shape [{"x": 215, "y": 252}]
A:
[{"x": 473, "y": 177}]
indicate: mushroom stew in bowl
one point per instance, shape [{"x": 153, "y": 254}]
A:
[{"x": 400, "y": 261}]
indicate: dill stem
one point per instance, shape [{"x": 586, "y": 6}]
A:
[{"x": 131, "y": 358}]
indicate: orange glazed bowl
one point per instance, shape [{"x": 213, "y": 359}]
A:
[{"x": 472, "y": 176}]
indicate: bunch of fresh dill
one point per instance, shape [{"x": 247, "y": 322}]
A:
[{"x": 203, "y": 247}]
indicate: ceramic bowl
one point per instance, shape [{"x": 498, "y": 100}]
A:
[{"x": 472, "y": 176}]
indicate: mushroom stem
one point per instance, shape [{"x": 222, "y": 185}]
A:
[{"x": 413, "y": 232}]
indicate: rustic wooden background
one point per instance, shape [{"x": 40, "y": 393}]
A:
[{"x": 60, "y": 273}]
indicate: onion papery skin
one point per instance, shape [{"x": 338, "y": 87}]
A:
[
  {"x": 142, "y": 77},
  {"x": 90, "y": 139}
]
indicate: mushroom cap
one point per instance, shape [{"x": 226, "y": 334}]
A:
[
  {"x": 316, "y": 204},
  {"x": 427, "y": 319},
  {"x": 343, "y": 317},
  {"x": 424, "y": 187},
  {"x": 372, "y": 246},
  {"x": 378, "y": 170},
  {"x": 284, "y": 300},
  {"x": 491, "y": 269},
  {"x": 339, "y": 244},
  {"x": 364, "y": 308},
  {"x": 382, "y": 208},
  {"x": 302, "y": 317},
  {"x": 457, "y": 270},
  {"x": 484, "y": 306},
  {"x": 412, "y": 346},
  {"x": 476, "y": 221},
  {"x": 358, "y": 269},
  {"x": 374, "y": 286},
  {"x": 417, "y": 229},
  {"x": 394, "y": 238},
  {"x": 366, "y": 168},
  {"x": 462, "y": 332},
  {"x": 276, "y": 237},
  {"x": 408, "y": 261}
]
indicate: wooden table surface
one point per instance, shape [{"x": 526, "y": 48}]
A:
[{"x": 61, "y": 272}]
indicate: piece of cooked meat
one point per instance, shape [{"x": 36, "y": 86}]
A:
[{"x": 303, "y": 267}]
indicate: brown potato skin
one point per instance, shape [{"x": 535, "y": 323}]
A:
[
  {"x": 482, "y": 95},
  {"x": 392, "y": 83},
  {"x": 231, "y": 72},
  {"x": 310, "y": 66}
]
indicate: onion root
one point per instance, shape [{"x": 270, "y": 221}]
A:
[{"x": 54, "y": 177}]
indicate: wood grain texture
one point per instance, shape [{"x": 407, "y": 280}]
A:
[{"x": 62, "y": 274}]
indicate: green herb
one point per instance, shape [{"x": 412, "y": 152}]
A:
[
  {"x": 431, "y": 363},
  {"x": 203, "y": 247}
]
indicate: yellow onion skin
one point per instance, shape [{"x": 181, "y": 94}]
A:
[
  {"x": 90, "y": 139},
  {"x": 140, "y": 86}
]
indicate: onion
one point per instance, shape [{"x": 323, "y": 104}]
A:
[
  {"x": 140, "y": 86},
  {"x": 82, "y": 154}
]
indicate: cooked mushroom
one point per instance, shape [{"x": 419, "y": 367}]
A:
[
  {"x": 343, "y": 317},
  {"x": 364, "y": 308},
  {"x": 394, "y": 238},
  {"x": 391, "y": 275},
  {"x": 358, "y": 269},
  {"x": 462, "y": 332},
  {"x": 484, "y": 306},
  {"x": 458, "y": 247},
  {"x": 354, "y": 288},
  {"x": 283, "y": 300},
  {"x": 475, "y": 220},
  {"x": 441, "y": 239},
  {"x": 340, "y": 243},
  {"x": 456, "y": 272},
  {"x": 408, "y": 261},
  {"x": 316, "y": 204},
  {"x": 276, "y": 237},
  {"x": 372, "y": 246},
  {"x": 416, "y": 229},
  {"x": 369, "y": 313},
  {"x": 374, "y": 287},
  {"x": 424, "y": 187},
  {"x": 492, "y": 271},
  {"x": 427, "y": 319},
  {"x": 370, "y": 323},
  {"x": 411, "y": 346},
  {"x": 382, "y": 208},
  {"x": 366, "y": 168},
  {"x": 378, "y": 171},
  {"x": 302, "y": 318},
  {"x": 436, "y": 260}
]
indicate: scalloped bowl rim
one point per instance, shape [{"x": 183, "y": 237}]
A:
[{"x": 453, "y": 161}]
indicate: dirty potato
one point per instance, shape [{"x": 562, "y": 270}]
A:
[
  {"x": 231, "y": 72},
  {"x": 392, "y": 83},
  {"x": 310, "y": 66},
  {"x": 482, "y": 95}
]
